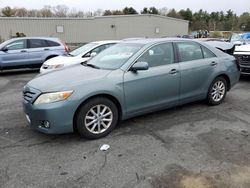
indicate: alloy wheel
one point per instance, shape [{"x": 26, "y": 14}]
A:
[{"x": 98, "y": 119}]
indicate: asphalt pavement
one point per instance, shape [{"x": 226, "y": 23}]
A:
[{"x": 191, "y": 146}]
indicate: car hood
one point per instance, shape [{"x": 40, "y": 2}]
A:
[
  {"x": 67, "y": 78},
  {"x": 65, "y": 60}
]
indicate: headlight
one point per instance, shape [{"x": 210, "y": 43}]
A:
[
  {"x": 54, "y": 66},
  {"x": 53, "y": 97}
]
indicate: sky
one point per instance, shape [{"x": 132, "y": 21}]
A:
[{"x": 238, "y": 6}]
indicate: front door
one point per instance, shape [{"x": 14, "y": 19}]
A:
[
  {"x": 15, "y": 55},
  {"x": 156, "y": 87}
]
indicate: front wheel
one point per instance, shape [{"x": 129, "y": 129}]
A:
[
  {"x": 217, "y": 91},
  {"x": 96, "y": 118}
]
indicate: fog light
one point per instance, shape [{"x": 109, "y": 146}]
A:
[{"x": 45, "y": 124}]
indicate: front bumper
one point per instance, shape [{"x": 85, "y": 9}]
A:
[
  {"x": 60, "y": 116},
  {"x": 244, "y": 62}
]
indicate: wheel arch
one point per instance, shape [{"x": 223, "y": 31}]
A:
[
  {"x": 108, "y": 96},
  {"x": 50, "y": 56},
  {"x": 227, "y": 78}
]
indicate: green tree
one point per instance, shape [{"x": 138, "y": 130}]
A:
[
  {"x": 244, "y": 21},
  {"x": 129, "y": 10},
  {"x": 145, "y": 10},
  {"x": 107, "y": 13},
  {"x": 172, "y": 13}
]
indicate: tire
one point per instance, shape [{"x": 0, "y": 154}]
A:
[
  {"x": 217, "y": 91},
  {"x": 93, "y": 115}
]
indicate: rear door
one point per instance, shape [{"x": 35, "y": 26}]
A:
[
  {"x": 16, "y": 54},
  {"x": 197, "y": 65},
  {"x": 37, "y": 50}
]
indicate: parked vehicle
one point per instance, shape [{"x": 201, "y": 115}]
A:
[
  {"x": 77, "y": 56},
  {"x": 237, "y": 39},
  {"x": 219, "y": 44},
  {"x": 242, "y": 54},
  {"x": 29, "y": 52},
  {"x": 128, "y": 79}
]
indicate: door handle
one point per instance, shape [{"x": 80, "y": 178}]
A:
[
  {"x": 45, "y": 49},
  {"x": 173, "y": 71},
  {"x": 213, "y": 63},
  {"x": 23, "y": 51}
]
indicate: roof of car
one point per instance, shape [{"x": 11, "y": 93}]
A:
[
  {"x": 155, "y": 40},
  {"x": 105, "y": 41}
]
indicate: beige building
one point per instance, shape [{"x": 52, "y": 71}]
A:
[{"x": 82, "y": 30}]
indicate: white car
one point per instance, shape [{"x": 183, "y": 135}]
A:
[
  {"x": 76, "y": 56},
  {"x": 242, "y": 54}
]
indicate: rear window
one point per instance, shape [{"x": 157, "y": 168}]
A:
[
  {"x": 52, "y": 43},
  {"x": 37, "y": 43}
]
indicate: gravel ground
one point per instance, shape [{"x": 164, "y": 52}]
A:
[{"x": 192, "y": 146}]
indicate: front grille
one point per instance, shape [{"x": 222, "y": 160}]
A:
[
  {"x": 30, "y": 94},
  {"x": 243, "y": 60}
]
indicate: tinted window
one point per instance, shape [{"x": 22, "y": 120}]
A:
[
  {"x": 37, "y": 43},
  {"x": 189, "y": 51},
  {"x": 19, "y": 44},
  {"x": 52, "y": 43},
  {"x": 158, "y": 55},
  {"x": 207, "y": 53}
]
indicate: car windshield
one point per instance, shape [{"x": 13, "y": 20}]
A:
[
  {"x": 115, "y": 56},
  {"x": 82, "y": 49}
]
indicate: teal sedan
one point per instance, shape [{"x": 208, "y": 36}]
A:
[{"x": 131, "y": 78}]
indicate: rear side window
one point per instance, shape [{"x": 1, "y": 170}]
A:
[
  {"x": 52, "y": 43},
  {"x": 189, "y": 51},
  {"x": 207, "y": 53},
  {"x": 37, "y": 43}
]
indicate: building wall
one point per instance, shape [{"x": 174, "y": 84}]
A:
[{"x": 79, "y": 30}]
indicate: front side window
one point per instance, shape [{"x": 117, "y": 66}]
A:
[
  {"x": 37, "y": 43},
  {"x": 189, "y": 51},
  {"x": 17, "y": 45},
  {"x": 161, "y": 54},
  {"x": 115, "y": 56}
]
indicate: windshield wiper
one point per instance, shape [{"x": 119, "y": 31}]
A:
[
  {"x": 90, "y": 65},
  {"x": 69, "y": 54}
]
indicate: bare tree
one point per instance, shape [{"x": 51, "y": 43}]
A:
[
  {"x": 46, "y": 11},
  {"x": 33, "y": 13},
  {"x": 21, "y": 12},
  {"x": 61, "y": 10}
]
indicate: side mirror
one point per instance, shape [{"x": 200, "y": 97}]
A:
[
  {"x": 4, "y": 49},
  {"x": 139, "y": 66}
]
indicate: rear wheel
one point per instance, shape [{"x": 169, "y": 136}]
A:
[
  {"x": 217, "y": 91},
  {"x": 96, "y": 118}
]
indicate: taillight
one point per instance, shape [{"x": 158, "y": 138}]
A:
[{"x": 66, "y": 48}]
